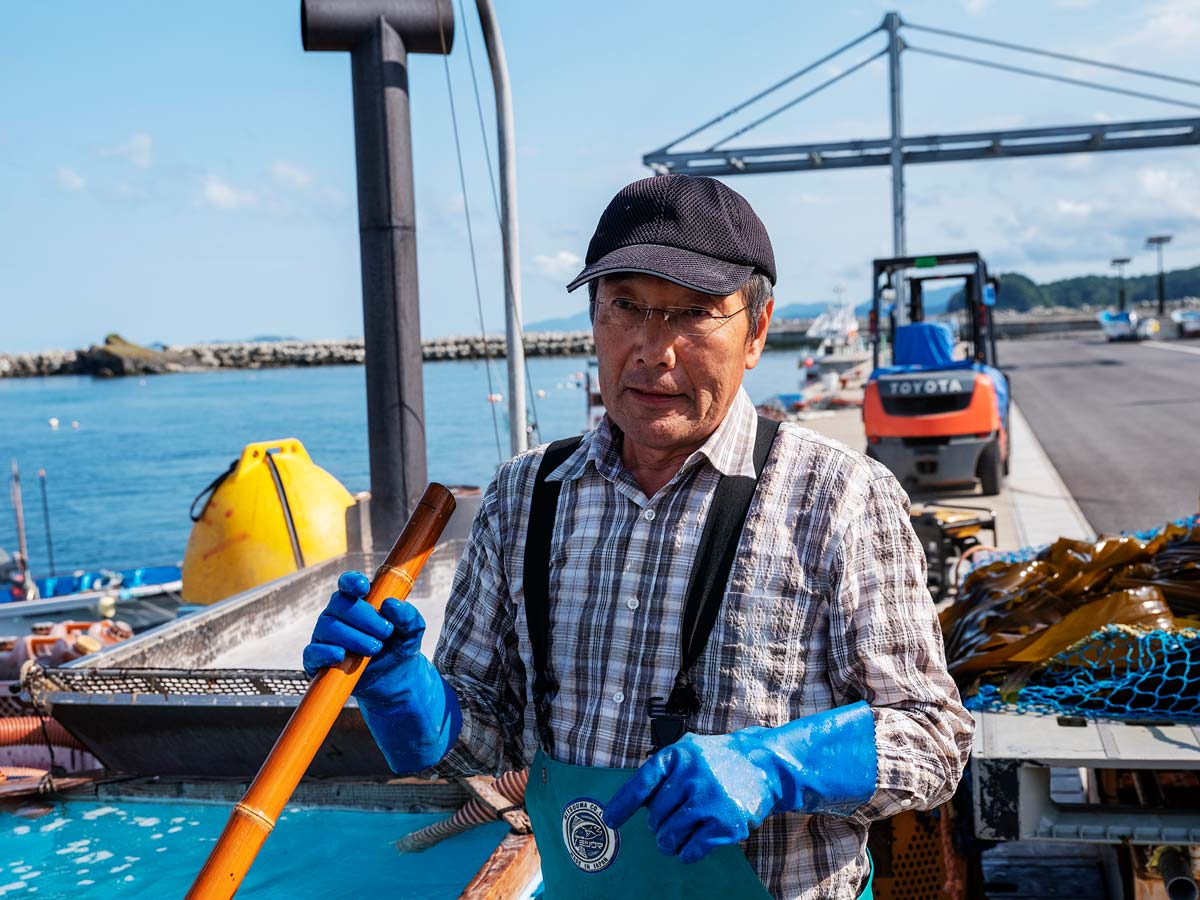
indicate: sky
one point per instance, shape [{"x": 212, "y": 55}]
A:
[{"x": 186, "y": 172}]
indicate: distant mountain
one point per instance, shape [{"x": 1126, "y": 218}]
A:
[{"x": 578, "y": 322}]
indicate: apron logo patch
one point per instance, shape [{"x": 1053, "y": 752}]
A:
[{"x": 592, "y": 845}]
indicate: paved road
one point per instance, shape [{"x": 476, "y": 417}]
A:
[{"x": 1121, "y": 423}]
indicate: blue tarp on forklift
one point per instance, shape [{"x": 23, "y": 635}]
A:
[
  {"x": 926, "y": 344},
  {"x": 929, "y": 347}
]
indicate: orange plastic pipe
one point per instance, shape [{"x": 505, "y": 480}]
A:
[{"x": 255, "y": 815}]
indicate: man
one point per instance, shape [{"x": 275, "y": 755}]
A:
[{"x": 749, "y": 602}]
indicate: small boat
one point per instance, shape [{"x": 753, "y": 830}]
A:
[
  {"x": 834, "y": 339},
  {"x": 144, "y": 597}
]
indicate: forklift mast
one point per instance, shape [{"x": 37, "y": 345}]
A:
[{"x": 979, "y": 298}]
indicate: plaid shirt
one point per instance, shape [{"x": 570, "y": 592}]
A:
[{"x": 826, "y": 605}]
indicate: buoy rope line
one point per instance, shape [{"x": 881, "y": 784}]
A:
[
  {"x": 487, "y": 152},
  {"x": 462, "y": 180},
  {"x": 297, "y": 554},
  {"x": 32, "y": 680}
]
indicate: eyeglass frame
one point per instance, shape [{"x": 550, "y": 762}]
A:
[{"x": 668, "y": 312}]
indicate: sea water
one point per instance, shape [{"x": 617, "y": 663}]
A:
[
  {"x": 142, "y": 850},
  {"x": 130, "y": 454}
]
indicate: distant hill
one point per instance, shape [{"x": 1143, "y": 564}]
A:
[
  {"x": 1019, "y": 292},
  {"x": 578, "y": 322}
]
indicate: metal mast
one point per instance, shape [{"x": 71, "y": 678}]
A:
[
  {"x": 892, "y": 23},
  {"x": 510, "y": 236},
  {"x": 895, "y": 44}
]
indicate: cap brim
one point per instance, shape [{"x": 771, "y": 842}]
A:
[{"x": 683, "y": 267}]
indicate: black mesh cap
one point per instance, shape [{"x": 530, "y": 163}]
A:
[{"x": 691, "y": 230}]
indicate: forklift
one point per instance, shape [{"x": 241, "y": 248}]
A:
[{"x": 936, "y": 421}]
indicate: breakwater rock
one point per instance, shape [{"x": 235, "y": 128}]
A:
[{"x": 129, "y": 359}]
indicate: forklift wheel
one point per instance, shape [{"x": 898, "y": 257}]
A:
[{"x": 991, "y": 469}]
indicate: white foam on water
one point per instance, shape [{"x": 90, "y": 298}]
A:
[
  {"x": 98, "y": 856},
  {"x": 53, "y": 826},
  {"x": 21, "y": 829},
  {"x": 175, "y": 829},
  {"x": 79, "y": 846},
  {"x": 155, "y": 837},
  {"x": 146, "y": 821},
  {"x": 93, "y": 814},
  {"x": 178, "y": 819},
  {"x": 128, "y": 878},
  {"x": 82, "y": 871},
  {"x": 32, "y": 874},
  {"x": 193, "y": 822},
  {"x": 85, "y": 881},
  {"x": 121, "y": 868},
  {"x": 161, "y": 850},
  {"x": 11, "y": 886},
  {"x": 132, "y": 858}
]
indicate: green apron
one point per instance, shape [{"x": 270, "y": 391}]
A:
[{"x": 583, "y": 859}]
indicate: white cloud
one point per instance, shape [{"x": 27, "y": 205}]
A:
[
  {"x": 290, "y": 174},
  {"x": 138, "y": 150},
  {"x": 1073, "y": 208},
  {"x": 562, "y": 264},
  {"x": 70, "y": 179},
  {"x": 976, "y": 7},
  {"x": 221, "y": 194},
  {"x": 1074, "y": 4}
]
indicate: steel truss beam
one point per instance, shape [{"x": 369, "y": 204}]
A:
[{"x": 1089, "y": 138}]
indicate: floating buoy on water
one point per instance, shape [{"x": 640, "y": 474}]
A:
[
  {"x": 53, "y": 422},
  {"x": 274, "y": 511},
  {"x": 74, "y": 423},
  {"x": 495, "y": 398},
  {"x": 540, "y": 393}
]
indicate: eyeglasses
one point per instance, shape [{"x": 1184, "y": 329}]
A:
[{"x": 694, "y": 321}]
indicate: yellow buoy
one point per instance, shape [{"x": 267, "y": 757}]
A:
[{"x": 273, "y": 512}]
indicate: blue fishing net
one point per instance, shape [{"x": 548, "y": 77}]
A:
[{"x": 1115, "y": 672}]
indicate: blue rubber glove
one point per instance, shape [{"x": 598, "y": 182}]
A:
[
  {"x": 707, "y": 790},
  {"x": 411, "y": 711}
]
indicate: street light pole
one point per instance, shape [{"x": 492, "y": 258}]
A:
[
  {"x": 1121, "y": 262},
  {"x": 1156, "y": 241}
]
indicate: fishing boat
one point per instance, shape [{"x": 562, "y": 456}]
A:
[{"x": 833, "y": 340}]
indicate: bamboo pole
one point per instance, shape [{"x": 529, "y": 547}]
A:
[{"x": 255, "y": 815}]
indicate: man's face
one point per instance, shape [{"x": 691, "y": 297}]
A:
[{"x": 667, "y": 391}]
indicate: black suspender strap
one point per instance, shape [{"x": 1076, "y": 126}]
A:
[
  {"x": 706, "y": 590},
  {"x": 714, "y": 561},
  {"x": 543, "y": 509}
]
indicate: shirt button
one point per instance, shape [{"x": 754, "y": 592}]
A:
[
  {"x": 618, "y": 697},
  {"x": 648, "y": 515},
  {"x": 632, "y": 603}
]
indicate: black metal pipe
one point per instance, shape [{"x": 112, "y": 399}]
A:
[
  {"x": 427, "y": 26},
  {"x": 379, "y": 35}
]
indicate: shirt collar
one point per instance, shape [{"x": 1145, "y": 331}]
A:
[{"x": 729, "y": 449}]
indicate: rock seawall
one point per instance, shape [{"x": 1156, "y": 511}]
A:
[{"x": 273, "y": 354}]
